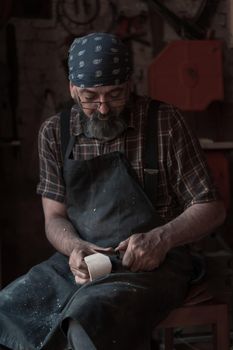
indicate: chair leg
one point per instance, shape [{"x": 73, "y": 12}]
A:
[
  {"x": 221, "y": 335},
  {"x": 168, "y": 339}
]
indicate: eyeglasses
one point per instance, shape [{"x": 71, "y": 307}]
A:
[{"x": 97, "y": 104}]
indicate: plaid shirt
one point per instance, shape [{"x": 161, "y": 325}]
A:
[{"x": 183, "y": 178}]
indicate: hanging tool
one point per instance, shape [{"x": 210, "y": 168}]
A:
[{"x": 183, "y": 27}]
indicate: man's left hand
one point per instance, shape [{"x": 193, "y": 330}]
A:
[{"x": 144, "y": 251}]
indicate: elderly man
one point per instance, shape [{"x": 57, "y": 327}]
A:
[{"x": 123, "y": 176}]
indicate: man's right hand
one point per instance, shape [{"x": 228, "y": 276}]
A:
[
  {"x": 77, "y": 263},
  {"x": 63, "y": 236}
]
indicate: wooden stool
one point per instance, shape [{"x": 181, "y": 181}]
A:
[{"x": 199, "y": 309}]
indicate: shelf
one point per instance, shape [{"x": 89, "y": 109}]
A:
[
  {"x": 209, "y": 144},
  {"x": 10, "y": 143}
]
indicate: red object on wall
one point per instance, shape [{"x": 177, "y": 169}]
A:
[{"x": 188, "y": 74}]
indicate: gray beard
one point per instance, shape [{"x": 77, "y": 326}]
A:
[{"x": 105, "y": 130}]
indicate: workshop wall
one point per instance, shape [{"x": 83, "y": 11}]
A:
[{"x": 33, "y": 51}]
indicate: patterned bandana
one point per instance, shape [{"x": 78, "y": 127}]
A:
[{"x": 98, "y": 59}]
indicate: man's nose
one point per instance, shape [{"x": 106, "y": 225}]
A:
[{"x": 104, "y": 107}]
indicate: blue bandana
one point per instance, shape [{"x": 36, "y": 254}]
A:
[{"x": 98, "y": 59}]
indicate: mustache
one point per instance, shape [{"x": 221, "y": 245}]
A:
[
  {"x": 98, "y": 117},
  {"x": 104, "y": 127}
]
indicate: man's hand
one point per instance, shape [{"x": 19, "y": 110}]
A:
[
  {"x": 77, "y": 263},
  {"x": 144, "y": 251}
]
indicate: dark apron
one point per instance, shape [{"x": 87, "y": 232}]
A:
[{"x": 106, "y": 205}]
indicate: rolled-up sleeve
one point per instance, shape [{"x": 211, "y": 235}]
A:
[
  {"x": 51, "y": 184},
  {"x": 188, "y": 171}
]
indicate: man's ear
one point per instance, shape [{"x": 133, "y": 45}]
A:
[{"x": 72, "y": 90}]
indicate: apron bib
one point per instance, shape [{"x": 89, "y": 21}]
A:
[{"x": 105, "y": 202}]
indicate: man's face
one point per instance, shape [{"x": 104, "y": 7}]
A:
[{"x": 102, "y": 109}]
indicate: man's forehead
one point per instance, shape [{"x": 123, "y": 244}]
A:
[{"x": 102, "y": 89}]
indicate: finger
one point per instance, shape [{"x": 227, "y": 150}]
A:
[
  {"x": 136, "y": 266},
  {"x": 103, "y": 250},
  {"x": 97, "y": 247},
  {"x": 79, "y": 280},
  {"x": 140, "y": 260},
  {"x": 128, "y": 259},
  {"x": 79, "y": 265},
  {"x": 83, "y": 266},
  {"x": 81, "y": 274},
  {"x": 148, "y": 264},
  {"x": 122, "y": 245}
]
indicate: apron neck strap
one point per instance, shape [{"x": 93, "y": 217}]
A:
[
  {"x": 65, "y": 130},
  {"x": 151, "y": 152}
]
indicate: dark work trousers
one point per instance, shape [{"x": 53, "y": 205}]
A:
[{"x": 78, "y": 338}]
